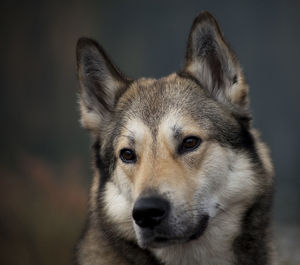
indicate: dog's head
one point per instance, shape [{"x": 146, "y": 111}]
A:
[{"x": 174, "y": 152}]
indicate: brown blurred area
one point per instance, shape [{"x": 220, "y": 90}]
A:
[
  {"x": 42, "y": 211},
  {"x": 45, "y": 160},
  {"x": 45, "y": 156}
]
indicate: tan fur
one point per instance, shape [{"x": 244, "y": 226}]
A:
[
  {"x": 166, "y": 176},
  {"x": 161, "y": 171}
]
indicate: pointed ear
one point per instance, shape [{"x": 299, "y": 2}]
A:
[
  {"x": 212, "y": 62},
  {"x": 101, "y": 84}
]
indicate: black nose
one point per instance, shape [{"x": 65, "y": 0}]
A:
[{"x": 148, "y": 212}]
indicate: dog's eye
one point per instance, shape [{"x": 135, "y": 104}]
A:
[
  {"x": 189, "y": 144},
  {"x": 128, "y": 155}
]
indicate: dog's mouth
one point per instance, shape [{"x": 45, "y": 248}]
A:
[
  {"x": 153, "y": 239},
  {"x": 200, "y": 228}
]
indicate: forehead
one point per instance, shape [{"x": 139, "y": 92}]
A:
[{"x": 174, "y": 101}]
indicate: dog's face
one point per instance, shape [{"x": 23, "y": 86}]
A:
[{"x": 176, "y": 151}]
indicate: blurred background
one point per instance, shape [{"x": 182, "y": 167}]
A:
[{"x": 45, "y": 155}]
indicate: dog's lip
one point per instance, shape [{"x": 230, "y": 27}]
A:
[
  {"x": 162, "y": 239},
  {"x": 200, "y": 228},
  {"x": 165, "y": 240}
]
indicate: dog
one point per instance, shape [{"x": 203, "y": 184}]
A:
[{"x": 181, "y": 176}]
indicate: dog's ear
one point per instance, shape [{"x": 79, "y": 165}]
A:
[
  {"x": 212, "y": 62},
  {"x": 101, "y": 83}
]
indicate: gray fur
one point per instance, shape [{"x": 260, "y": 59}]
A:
[{"x": 211, "y": 92}]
